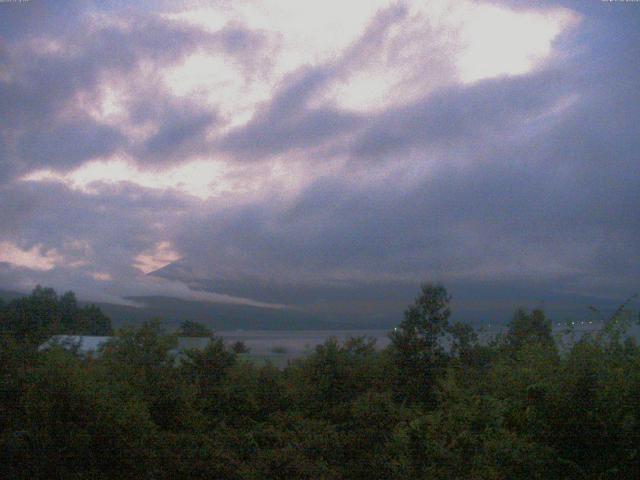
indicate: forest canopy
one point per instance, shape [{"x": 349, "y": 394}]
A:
[
  {"x": 44, "y": 313},
  {"x": 435, "y": 404}
]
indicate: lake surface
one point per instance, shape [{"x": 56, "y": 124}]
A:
[
  {"x": 291, "y": 344},
  {"x": 296, "y": 343}
]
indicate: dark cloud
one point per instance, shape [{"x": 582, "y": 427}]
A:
[
  {"x": 19, "y": 20},
  {"x": 288, "y": 122},
  {"x": 183, "y": 128},
  {"x": 118, "y": 222},
  {"x": 41, "y": 126},
  {"x": 544, "y": 195},
  {"x": 69, "y": 144},
  {"x": 512, "y": 190},
  {"x": 461, "y": 115}
]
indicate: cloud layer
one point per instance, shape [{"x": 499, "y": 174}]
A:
[{"x": 329, "y": 160}]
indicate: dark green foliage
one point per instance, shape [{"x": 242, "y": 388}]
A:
[
  {"x": 529, "y": 328},
  {"x": 239, "y": 347},
  {"x": 434, "y": 405},
  {"x": 144, "y": 358},
  {"x": 71, "y": 423},
  {"x": 189, "y": 328},
  {"x": 42, "y": 314},
  {"x": 206, "y": 368},
  {"x": 419, "y": 343},
  {"x": 91, "y": 321}
]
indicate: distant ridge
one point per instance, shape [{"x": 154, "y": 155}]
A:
[
  {"x": 8, "y": 295},
  {"x": 217, "y": 316},
  {"x": 222, "y": 316}
]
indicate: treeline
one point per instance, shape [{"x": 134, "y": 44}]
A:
[
  {"x": 36, "y": 317},
  {"x": 435, "y": 404}
]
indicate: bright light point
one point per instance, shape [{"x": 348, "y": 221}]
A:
[
  {"x": 160, "y": 256},
  {"x": 35, "y": 258}
]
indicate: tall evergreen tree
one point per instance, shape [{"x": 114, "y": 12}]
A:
[{"x": 418, "y": 342}]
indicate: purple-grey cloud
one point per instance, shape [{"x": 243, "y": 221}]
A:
[{"x": 509, "y": 185}]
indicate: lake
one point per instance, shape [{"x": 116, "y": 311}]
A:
[{"x": 293, "y": 344}]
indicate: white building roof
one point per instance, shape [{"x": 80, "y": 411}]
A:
[{"x": 84, "y": 343}]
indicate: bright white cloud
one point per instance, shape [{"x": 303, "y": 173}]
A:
[
  {"x": 307, "y": 32},
  {"x": 429, "y": 45},
  {"x": 161, "y": 255},
  {"x": 448, "y": 42},
  {"x": 201, "y": 178},
  {"x": 101, "y": 276},
  {"x": 300, "y": 33},
  {"x": 497, "y": 41},
  {"x": 222, "y": 83},
  {"x": 35, "y": 258},
  {"x": 420, "y": 48}
]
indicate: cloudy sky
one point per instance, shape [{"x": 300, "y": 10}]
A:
[{"x": 321, "y": 155}]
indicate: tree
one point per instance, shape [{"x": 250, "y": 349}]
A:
[
  {"x": 361, "y": 345},
  {"x": 145, "y": 357},
  {"x": 464, "y": 343},
  {"x": 76, "y": 425},
  {"x": 529, "y": 328},
  {"x": 91, "y": 321},
  {"x": 239, "y": 347},
  {"x": 205, "y": 368},
  {"x": 36, "y": 317},
  {"x": 68, "y": 306},
  {"x": 190, "y": 328},
  {"x": 417, "y": 342}
]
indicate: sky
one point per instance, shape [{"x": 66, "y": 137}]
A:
[{"x": 322, "y": 156}]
